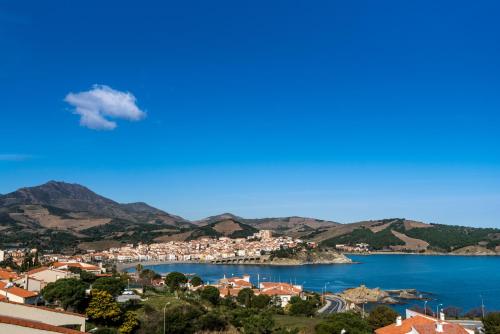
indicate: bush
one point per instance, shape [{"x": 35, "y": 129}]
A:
[
  {"x": 381, "y": 316},
  {"x": 351, "y": 322},
  {"x": 302, "y": 307},
  {"x": 212, "y": 322},
  {"x": 210, "y": 294},
  {"x": 258, "y": 324},
  {"x": 245, "y": 297},
  {"x": 492, "y": 323},
  {"x": 261, "y": 301}
]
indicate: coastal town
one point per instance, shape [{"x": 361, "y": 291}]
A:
[{"x": 199, "y": 250}]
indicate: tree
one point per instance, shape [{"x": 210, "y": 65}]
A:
[
  {"x": 113, "y": 285},
  {"x": 148, "y": 275},
  {"x": 261, "y": 301},
  {"x": 381, "y": 316},
  {"x": 69, "y": 293},
  {"x": 212, "y": 322},
  {"x": 491, "y": 323},
  {"x": 130, "y": 323},
  {"x": 174, "y": 280},
  {"x": 304, "y": 307},
  {"x": 245, "y": 297},
  {"x": 352, "y": 323},
  {"x": 196, "y": 281},
  {"x": 211, "y": 294},
  {"x": 103, "y": 309},
  {"x": 258, "y": 324},
  {"x": 138, "y": 268},
  {"x": 182, "y": 319}
]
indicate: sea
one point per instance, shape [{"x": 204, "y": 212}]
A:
[{"x": 465, "y": 282}]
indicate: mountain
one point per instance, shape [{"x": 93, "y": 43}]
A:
[
  {"x": 62, "y": 216},
  {"x": 225, "y": 227},
  {"x": 399, "y": 234},
  {"x": 59, "y": 214},
  {"x": 290, "y": 226}
]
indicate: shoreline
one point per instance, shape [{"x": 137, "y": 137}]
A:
[
  {"x": 420, "y": 254},
  {"x": 121, "y": 266}
]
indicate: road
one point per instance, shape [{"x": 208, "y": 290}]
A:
[{"x": 334, "y": 304}]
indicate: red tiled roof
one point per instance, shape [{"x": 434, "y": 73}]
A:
[
  {"x": 447, "y": 329},
  {"x": 278, "y": 292},
  {"x": 37, "y": 270},
  {"x": 36, "y": 325},
  {"x": 83, "y": 266},
  {"x": 43, "y": 308},
  {"x": 405, "y": 326},
  {"x": 7, "y": 274},
  {"x": 18, "y": 291}
]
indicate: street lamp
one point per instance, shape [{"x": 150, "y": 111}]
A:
[
  {"x": 425, "y": 307},
  {"x": 164, "y": 323},
  {"x": 437, "y": 311}
]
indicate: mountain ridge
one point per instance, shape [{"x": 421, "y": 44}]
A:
[{"x": 59, "y": 215}]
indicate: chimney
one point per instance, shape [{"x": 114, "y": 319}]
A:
[
  {"x": 399, "y": 321},
  {"x": 441, "y": 316},
  {"x": 439, "y": 327}
]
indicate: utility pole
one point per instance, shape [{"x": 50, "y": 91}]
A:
[{"x": 425, "y": 307}]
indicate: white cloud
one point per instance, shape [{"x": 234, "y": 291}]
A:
[{"x": 98, "y": 106}]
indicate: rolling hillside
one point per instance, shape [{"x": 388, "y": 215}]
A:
[
  {"x": 62, "y": 216},
  {"x": 407, "y": 235}
]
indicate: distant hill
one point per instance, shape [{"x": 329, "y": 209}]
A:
[
  {"x": 408, "y": 235},
  {"x": 62, "y": 216},
  {"x": 290, "y": 226},
  {"x": 59, "y": 215}
]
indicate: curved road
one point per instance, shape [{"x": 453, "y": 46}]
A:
[{"x": 334, "y": 304}]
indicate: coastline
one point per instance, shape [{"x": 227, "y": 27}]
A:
[
  {"x": 121, "y": 266},
  {"x": 421, "y": 254}
]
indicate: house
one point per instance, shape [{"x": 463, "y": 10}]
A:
[
  {"x": 78, "y": 265},
  {"x": 284, "y": 291},
  {"x": 40, "y": 315},
  {"x": 416, "y": 323},
  {"x": 232, "y": 286},
  {"x": 7, "y": 275},
  {"x": 10, "y": 292},
  {"x": 37, "y": 279}
]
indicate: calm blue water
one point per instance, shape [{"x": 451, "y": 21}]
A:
[{"x": 453, "y": 280}]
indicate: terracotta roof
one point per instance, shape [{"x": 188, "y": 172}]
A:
[
  {"x": 2, "y": 298},
  {"x": 278, "y": 292},
  {"x": 36, "y": 325},
  {"x": 83, "y": 266},
  {"x": 447, "y": 329},
  {"x": 284, "y": 288},
  {"x": 37, "y": 270},
  {"x": 44, "y": 308},
  {"x": 406, "y": 325},
  {"x": 18, "y": 291},
  {"x": 7, "y": 274}
]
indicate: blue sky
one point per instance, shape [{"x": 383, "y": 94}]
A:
[{"x": 342, "y": 110}]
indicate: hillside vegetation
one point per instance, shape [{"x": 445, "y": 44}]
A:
[{"x": 62, "y": 216}]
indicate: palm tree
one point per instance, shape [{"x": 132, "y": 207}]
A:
[{"x": 138, "y": 268}]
